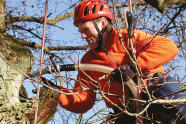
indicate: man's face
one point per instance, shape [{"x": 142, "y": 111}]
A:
[{"x": 89, "y": 32}]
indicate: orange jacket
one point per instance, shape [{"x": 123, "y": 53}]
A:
[{"x": 160, "y": 51}]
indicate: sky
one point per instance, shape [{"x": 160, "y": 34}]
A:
[{"x": 70, "y": 33}]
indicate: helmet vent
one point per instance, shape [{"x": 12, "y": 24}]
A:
[
  {"x": 93, "y": 9},
  {"x": 77, "y": 10},
  {"x": 85, "y": 11},
  {"x": 101, "y": 8}
]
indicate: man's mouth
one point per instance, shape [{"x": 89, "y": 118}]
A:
[{"x": 89, "y": 41}]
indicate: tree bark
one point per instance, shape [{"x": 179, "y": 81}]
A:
[
  {"x": 12, "y": 55},
  {"x": 14, "y": 58},
  {"x": 160, "y": 4},
  {"x": 2, "y": 13}
]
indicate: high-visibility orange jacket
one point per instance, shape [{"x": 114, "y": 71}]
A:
[{"x": 151, "y": 58}]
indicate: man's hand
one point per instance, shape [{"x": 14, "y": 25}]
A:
[
  {"x": 123, "y": 73},
  {"x": 45, "y": 89}
]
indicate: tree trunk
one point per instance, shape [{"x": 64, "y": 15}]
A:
[
  {"x": 16, "y": 60},
  {"x": 13, "y": 58}
]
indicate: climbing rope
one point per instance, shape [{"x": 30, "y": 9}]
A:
[
  {"x": 131, "y": 25},
  {"x": 41, "y": 61}
]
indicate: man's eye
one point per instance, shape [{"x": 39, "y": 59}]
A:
[{"x": 85, "y": 30}]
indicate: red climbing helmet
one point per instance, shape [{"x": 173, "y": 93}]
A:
[{"x": 92, "y": 9}]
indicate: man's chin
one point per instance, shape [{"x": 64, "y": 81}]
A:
[{"x": 92, "y": 47}]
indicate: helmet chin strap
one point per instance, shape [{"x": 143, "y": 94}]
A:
[{"x": 100, "y": 34}]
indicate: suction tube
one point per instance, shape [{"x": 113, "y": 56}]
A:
[
  {"x": 85, "y": 67},
  {"x": 93, "y": 67}
]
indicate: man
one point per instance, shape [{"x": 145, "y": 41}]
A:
[{"x": 93, "y": 20}]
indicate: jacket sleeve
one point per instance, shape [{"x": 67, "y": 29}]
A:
[
  {"x": 158, "y": 52},
  {"x": 78, "y": 101}
]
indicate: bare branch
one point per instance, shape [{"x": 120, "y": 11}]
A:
[
  {"x": 173, "y": 18},
  {"x": 40, "y": 20}
]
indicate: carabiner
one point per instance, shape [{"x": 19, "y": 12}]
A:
[{"x": 131, "y": 23}]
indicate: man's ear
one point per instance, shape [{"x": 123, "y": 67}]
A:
[{"x": 103, "y": 22}]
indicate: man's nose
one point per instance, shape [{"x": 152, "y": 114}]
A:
[{"x": 83, "y": 36}]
